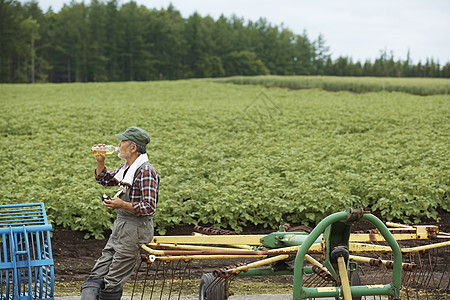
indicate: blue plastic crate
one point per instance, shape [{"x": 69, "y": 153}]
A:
[{"x": 26, "y": 261}]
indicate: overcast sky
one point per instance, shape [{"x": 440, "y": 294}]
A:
[{"x": 359, "y": 29}]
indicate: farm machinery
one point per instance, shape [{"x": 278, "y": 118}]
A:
[{"x": 391, "y": 261}]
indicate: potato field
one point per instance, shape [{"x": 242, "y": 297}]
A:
[{"x": 229, "y": 155}]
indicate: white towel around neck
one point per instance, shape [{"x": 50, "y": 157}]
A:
[{"x": 129, "y": 176}]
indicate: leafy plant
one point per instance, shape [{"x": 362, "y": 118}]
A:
[{"x": 228, "y": 155}]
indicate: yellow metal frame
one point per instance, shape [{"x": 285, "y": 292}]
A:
[
  {"x": 201, "y": 247},
  {"x": 400, "y": 232},
  {"x": 230, "y": 240}
]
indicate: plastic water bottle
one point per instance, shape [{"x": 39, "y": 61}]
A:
[{"x": 104, "y": 149}]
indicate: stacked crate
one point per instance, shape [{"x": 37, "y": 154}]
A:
[{"x": 26, "y": 261}]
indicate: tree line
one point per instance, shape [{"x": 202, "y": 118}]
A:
[{"x": 105, "y": 41}]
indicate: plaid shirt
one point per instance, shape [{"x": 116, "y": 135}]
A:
[{"x": 144, "y": 191}]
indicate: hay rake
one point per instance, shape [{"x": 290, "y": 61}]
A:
[{"x": 399, "y": 262}]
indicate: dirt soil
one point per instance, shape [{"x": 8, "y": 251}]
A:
[{"x": 75, "y": 256}]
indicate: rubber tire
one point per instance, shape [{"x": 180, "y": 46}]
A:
[
  {"x": 356, "y": 280},
  {"x": 218, "y": 291}
]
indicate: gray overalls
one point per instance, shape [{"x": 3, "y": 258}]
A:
[{"x": 115, "y": 266}]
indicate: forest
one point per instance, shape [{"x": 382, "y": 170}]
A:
[{"x": 105, "y": 41}]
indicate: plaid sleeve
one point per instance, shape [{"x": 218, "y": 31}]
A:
[
  {"x": 144, "y": 196},
  {"x": 106, "y": 178}
]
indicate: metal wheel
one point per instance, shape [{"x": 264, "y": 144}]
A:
[{"x": 211, "y": 288}]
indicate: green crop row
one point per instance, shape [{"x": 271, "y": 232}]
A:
[
  {"x": 228, "y": 155},
  {"x": 417, "y": 86}
]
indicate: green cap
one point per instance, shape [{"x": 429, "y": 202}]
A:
[{"x": 135, "y": 134}]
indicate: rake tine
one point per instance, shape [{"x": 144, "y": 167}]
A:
[
  {"x": 135, "y": 279},
  {"x": 442, "y": 277},
  {"x": 212, "y": 286},
  {"x": 164, "y": 273},
  {"x": 385, "y": 271},
  {"x": 224, "y": 281},
  {"x": 187, "y": 265},
  {"x": 444, "y": 271},
  {"x": 440, "y": 280},
  {"x": 420, "y": 271},
  {"x": 183, "y": 276},
  {"x": 377, "y": 272},
  {"x": 448, "y": 286},
  {"x": 434, "y": 266},
  {"x": 308, "y": 279},
  {"x": 314, "y": 280},
  {"x": 427, "y": 270},
  {"x": 425, "y": 273},
  {"x": 154, "y": 279},
  {"x": 227, "y": 284},
  {"x": 408, "y": 280},
  {"x": 406, "y": 277},
  {"x": 364, "y": 273},
  {"x": 147, "y": 269},
  {"x": 429, "y": 273},
  {"x": 416, "y": 273},
  {"x": 322, "y": 282},
  {"x": 173, "y": 274}
]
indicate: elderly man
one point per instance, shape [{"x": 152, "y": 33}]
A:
[{"x": 135, "y": 203}]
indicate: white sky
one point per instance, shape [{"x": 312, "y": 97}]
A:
[{"x": 359, "y": 29}]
